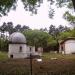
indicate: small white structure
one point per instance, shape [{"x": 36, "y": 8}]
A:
[
  {"x": 18, "y": 47},
  {"x": 67, "y": 46},
  {"x": 40, "y": 51}
]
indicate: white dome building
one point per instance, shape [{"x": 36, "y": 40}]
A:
[
  {"x": 17, "y": 46},
  {"x": 17, "y": 37}
]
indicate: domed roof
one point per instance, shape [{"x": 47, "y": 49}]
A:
[{"x": 17, "y": 37}]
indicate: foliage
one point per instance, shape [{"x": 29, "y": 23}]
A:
[
  {"x": 6, "y": 5},
  {"x": 70, "y": 18},
  {"x": 65, "y": 35},
  {"x": 37, "y": 38},
  {"x": 61, "y": 3},
  {"x": 31, "y": 5},
  {"x": 49, "y": 41},
  {"x": 70, "y": 5},
  {"x": 44, "y": 38},
  {"x": 3, "y": 44},
  {"x": 20, "y": 28},
  {"x": 51, "y": 13},
  {"x": 58, "y": 33},
  {"x": 73, "y": 33},
  {"x": 52, "y": 42},
  {"x": 73, "y": 3},
  {"x": 67, "y": 15},
  {"x": 8, "y": 27},
  {"x": 52, "y": 30},
  {"x": 55, "y": 32},
  {"x": 44, "y": 29}
]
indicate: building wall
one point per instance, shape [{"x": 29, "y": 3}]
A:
[
  {"x": 62, "y": 48},
  {"x": 40, "y": 51},
  {"x": 14, "y": 49},
  {"x": 32, "y": 50},
  {"x": 70, "y": 46}
]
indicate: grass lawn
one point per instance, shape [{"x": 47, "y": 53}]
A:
[
  {"x": 47, "y": 56},
  {"x": 63, "y": 65},
  {"x": 3, "y": 56}
]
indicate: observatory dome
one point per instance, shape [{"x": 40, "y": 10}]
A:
[{"x": 17, "y": 37}]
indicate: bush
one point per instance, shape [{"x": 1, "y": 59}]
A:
[{"x": 3, "y": 45}]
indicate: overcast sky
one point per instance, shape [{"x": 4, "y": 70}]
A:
[{"x": 41, "y": 20}]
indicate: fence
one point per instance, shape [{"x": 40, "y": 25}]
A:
[{"x": 40, "y": 73}]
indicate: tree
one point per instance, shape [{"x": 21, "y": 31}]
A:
[
  {"x": 61, "y": 3},
  {"x": 44, "y": 29},
  {"x": 55, "y": 32},
  {"x": 3, "y": 28},
  {"x": 52, "y": 30},
  {"x": 62, "y": 28},
  {"x": 21, "y": 28},
  {"x": 10, "y": 28},
  {"x": 37, "y": 38},
  {"x": 68, "y": 15},
  {"x": 24, "y": 27},
  {"x": 6, "y": 5},
  {"x": 73, "y": 3},
  {"x": 65, "y": 35},
  {"x": 29, "y": 5},
  {"x": 70, "y": 18},
  {"x": 72, "y": 33},
  {"x": 18, "y": 27},
  {"x": 3, "y": 45}
]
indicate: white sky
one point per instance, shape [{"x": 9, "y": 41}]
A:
[{"x": 41, "y": 20}]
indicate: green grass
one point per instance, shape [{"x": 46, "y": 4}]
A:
[
  {"x": 3, "y": 55},
  {"x": 63, "y": 64},
  {"x": 47, "y": 56}
]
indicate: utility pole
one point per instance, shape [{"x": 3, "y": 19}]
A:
[{"x": 30, "y": 61}]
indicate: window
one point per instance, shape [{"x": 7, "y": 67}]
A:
[
  {"x": 62, "y": 48},
  {"x": 30, "y": 48},
  {"x": 36, "y": 49},
  {"x": 20, "y": 49},
  {"x": 11, "y": 56}
]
